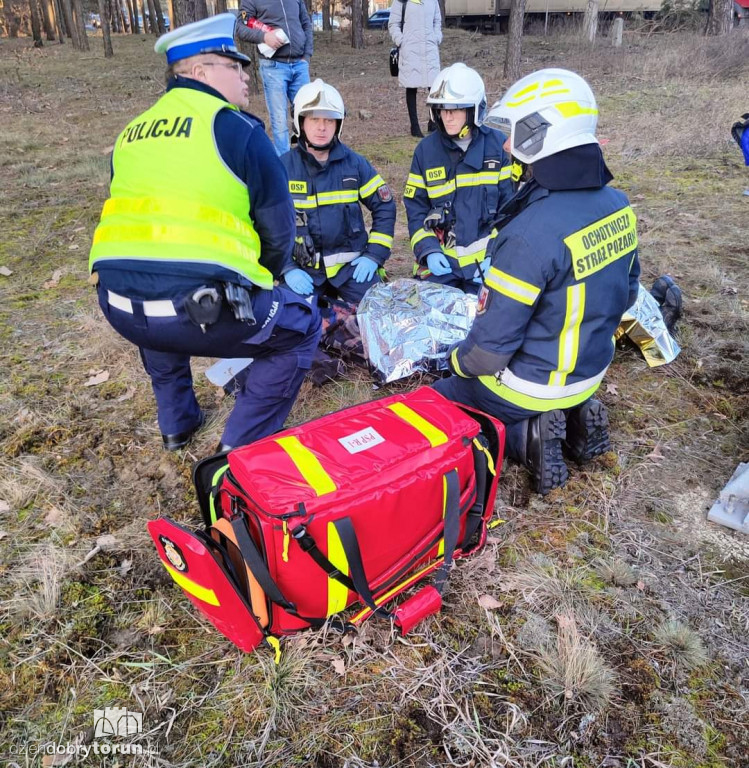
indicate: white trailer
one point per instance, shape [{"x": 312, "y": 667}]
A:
[{"x": 490, "y": 14}]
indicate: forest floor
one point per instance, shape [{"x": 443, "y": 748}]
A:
[{"x": 605, "y": 625}]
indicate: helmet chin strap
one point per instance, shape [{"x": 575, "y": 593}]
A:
[{"x": 318, "y": 147}]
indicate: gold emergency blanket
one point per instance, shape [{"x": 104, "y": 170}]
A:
[{"x": 643, "y": 324}]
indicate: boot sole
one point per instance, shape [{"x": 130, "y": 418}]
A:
[
  {"x": 597, "y": 439},
  {"x": 554, "y": 472}
]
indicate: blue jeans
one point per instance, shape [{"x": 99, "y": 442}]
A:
[{"x": 281, "y": 82}]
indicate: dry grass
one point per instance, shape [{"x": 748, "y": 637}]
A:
[
  {"x": 495, "y": 680},
  {"x": 574, "y": 670},
  {"x": 682, "y": 644}
]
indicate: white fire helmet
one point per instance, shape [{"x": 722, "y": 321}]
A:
[
  {"x": 458, "y": 87},
  {"x": 545, "y": 113},
  {"x": 318, "y": 99}
]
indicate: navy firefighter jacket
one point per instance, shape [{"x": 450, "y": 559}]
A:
[
  {"x": 564, "y": 268},
  {"x": 476, "y": 183},
  {"x": 330, "y": 194}
]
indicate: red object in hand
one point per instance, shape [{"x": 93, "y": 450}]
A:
[{"x": 257, "y": 24}]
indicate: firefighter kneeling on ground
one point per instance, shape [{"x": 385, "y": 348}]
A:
[
  {"x": 460, "y": 177},
  {"x": 564, "y": 268},
  {"x": 334, "y": 255}
]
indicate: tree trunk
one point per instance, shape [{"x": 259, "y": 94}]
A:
[
  {"x": 11, "y": 24},
  {"x": 106, "y": 28},
  {"x": 80, "y": 26},
  {"x": 142, "y": 11},
  {"x": 514, "y": 40},
  {"x": 160, "y": 16},
  {"x": 220, "y": 6},
  {"x": 441, "y": 4},
  {"x": 364, "y": 15},
  {"x": 59, "y": 21},
  {"x": 357, "y": 31},
  {"x": 153, "y": 19},
  {"x": 48, "y": 18},
  {"x": 326, "y": 14},
  {"x": 72, "y": 30},
  {"x": 132, "y": 12},
  {"x": 115, "y": 12},
  {"x": 186, "y": 11},
  {"x": 590, "y": 21},
  {"x": 36, "y": 23},
  {"x": 719, "y": 17}
]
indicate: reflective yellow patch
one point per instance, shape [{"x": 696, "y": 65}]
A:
[
  {"x": 409, "y": 191},
  {"x": 298, "y": 187},
  {"x": 603, "y": 242},
  {"x": 435, "y": 174}
]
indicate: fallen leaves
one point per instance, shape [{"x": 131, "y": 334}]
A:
[
  {"x": 54, "y": 280},
  {"x": 489, "y": 603},
  {"x": 96, "y": 377},
  {"x": 656, "y": 454},
  {"x": 339, "y": 666}
]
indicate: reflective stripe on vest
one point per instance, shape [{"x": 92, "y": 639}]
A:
[
  {"x": 172, "y": 198},
  {"x": 541, "y": 397}
]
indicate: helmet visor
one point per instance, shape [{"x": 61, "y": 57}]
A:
[
  {"x": 499, "y": 122},
  {"x": 328, "y": 114}
]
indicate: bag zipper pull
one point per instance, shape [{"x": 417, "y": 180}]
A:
[{"x": 285, "y": 554}]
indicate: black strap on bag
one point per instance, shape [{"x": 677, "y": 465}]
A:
[
  {"x": 395, "y": 50},
  {"x": 358, "y": 581},
  {"x": 260, "y": 571}
]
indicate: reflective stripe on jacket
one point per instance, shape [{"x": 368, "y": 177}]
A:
[
  {"x": 476, "y": 183},
  {"x": 172, "y": 198},
  {"x": 330, "y": 195},
  {"x": 562, "y": 274}
]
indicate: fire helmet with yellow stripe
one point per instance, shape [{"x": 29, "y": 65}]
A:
[{"x": 545, "y": 113}]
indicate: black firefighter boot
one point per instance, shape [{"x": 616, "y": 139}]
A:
[
  {"x": 541, "y": 451},
  {"x": 587, "y": 431}
]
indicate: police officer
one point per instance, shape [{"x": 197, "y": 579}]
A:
[
  {"x": 329, "y": 182},
  {"x": 198, "y": 226},
  {"x": 460, "y": 176},
  {"x": 563, "y": 269}
]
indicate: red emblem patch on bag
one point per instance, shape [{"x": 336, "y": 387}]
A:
[
  {"x": 385, "y": 194},
  {"x": 483, "y": 300}
]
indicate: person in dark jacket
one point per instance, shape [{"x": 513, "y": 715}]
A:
[
  {"x": 460, "y": 176},
  {"x": 329, "y": 183},
  {"x": 563, "y": 269},
  {"x": 198, "y": 226},
  {"x": 283, "y": 31}
]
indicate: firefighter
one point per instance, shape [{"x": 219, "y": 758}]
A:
[
  {"x": 563, "y": 269},
  {"x": 460, "y": 176},
  {"x": 198, "y": 225},
  {"x": 328, "y": 183}
]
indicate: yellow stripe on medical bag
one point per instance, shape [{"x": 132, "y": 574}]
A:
[
  {"x": 337, "y": 592},
  {"x": 308, "y": 465},
  {"x": 435, "y": 436},
  {"x": 202, "y": 593}
]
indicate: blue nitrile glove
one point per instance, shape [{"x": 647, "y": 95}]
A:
[
  {"x": 364, "y": 268},
  {"x": 438, "y": 264},
  {"x": 299, "y": 281}
]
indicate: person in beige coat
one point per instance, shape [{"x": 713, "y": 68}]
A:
[{"x": 416, "y": 28}]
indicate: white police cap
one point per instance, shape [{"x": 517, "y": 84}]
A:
[{"x": 212, "y": 35}]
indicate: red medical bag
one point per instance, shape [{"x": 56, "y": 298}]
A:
[{"x": 354, "y": 507}]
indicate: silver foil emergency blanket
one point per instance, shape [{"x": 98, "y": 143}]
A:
[
  {"x": 408, "y": 326},
  {"x": 643, "y": 324}
]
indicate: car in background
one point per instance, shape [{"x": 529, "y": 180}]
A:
[
  {"x": 317, "y": 21},
  {"x": 379, "y": 19}
]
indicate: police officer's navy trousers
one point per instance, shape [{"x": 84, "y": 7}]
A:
[{"x": 282, "y": 343}]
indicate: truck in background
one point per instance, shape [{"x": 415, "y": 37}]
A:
[{"x": 492, "y": 14}]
